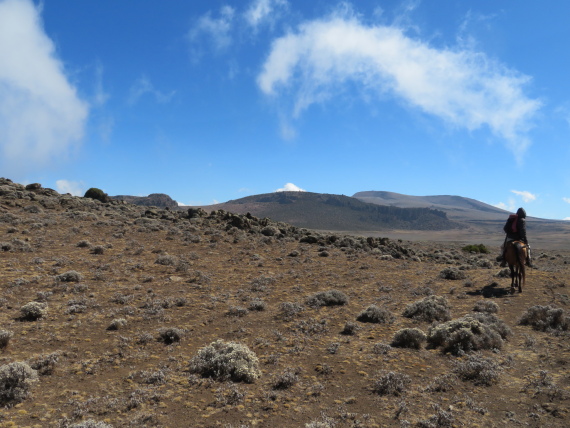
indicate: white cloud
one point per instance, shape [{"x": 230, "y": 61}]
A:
[
  {"x": 566, "y": 200},
  {"x": 290, "y": 187},
  {"x": 217, "y": 28},
  {"x": 509, "y": 206},
  {"x": 464, "y": 88},
  {"x": 41, "y": 116},
  {"x": 76, "y": 188},
  {"x": 261, "y": 11},
  {"x": 143, "y": 86},
  {"x": 566, "y": 218},
  {"x": 526, "y": 196},
  {"x": 100, "y": 97}
]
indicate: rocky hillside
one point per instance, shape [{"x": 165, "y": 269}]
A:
[
  {"x": 159, "y": 200},
  {"x": 337, "y": 212}
]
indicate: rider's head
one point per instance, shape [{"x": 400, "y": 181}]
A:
[{"x": 521, "y": 213}]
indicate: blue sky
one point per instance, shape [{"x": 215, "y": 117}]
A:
[{"x": 212, "y": 100}]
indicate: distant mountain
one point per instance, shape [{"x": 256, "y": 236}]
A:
[
  {"x": 153, "y": 200},
  {"x": 338, "y": 212},
  {"x": 457, "y": 207}
]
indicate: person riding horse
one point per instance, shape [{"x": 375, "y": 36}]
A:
[{"x": 515, "y": 228}]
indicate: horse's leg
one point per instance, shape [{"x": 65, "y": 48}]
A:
[{"x": 513, "y": 274}]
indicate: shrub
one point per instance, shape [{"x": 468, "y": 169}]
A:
[
  {"x": 350, "y": 328},
  {"x": 226, "y": 360},
  {"x": 286, "y": 380},
  {"x": 290, "y": 309},
  {"x": 469, "y": 333},
  {"x": 391, "y": 383},
  {"x": 117, "y": 324},
  {"x": 327, "y": 298},
  {"x": 452, "y": 273},
  {"x": 94, "y": 193},
  {"x": 170, "y": 335},
  {"x": 237, "y": 311},
  {"x": 98, "y": 249},
  {"x": 45, "y": 364},
  {"x": 84, "y": 244},
  {"x": 33, "y": 310},
  {"x": 409, "y": 338},
  {"x": 487, "y": 306},
  {"x": 479, "y": 370},
  {"x": 5, "y": 337},
  {"x": 545, "y": 318},
  {"x": 69, "y": 276},
  {"x": 16, "y": 379},
  {"x": 430, "y": 308},
  {"x": 257, "y": 305},
  {"x": 90, "y": 423},
  {"x": 376, "y": 315},
  {"x": 166, "y": 260},
  {"x": 476, "y": 249}
]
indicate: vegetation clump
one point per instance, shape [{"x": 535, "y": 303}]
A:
[
  {"x": 469, "y": 333},
  {"x": 16, "y": 380},
  {"x": 430, "y": 308},
  {"x": 487, "y": 306},
  {"x": 375, "y": 314},
  {"x": 223, "y": 360},
  {"x": 33, "y": 311},
  {"x": 327, "y": 298},
  {"x": 409, "y": 338},
  {"x": 546, "y": 318},
  {"x": 476, "y": 248},
  {"x": 479, "y": 370},
  {"x": 98, "y": 194},
  {"x": 70, "y": 276},
  {"x": 452, "y": 273},
  {"x": 5, "y": 337},
  {"x": 391, "y": 383}
]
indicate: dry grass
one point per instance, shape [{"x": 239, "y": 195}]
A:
[{"x": 122, "y": 341}]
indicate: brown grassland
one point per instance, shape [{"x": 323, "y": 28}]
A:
[{"x": 116, "y": 340}]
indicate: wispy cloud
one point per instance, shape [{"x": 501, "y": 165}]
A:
[
  {"x": 290, "y": 187},
  {"x": 143, "y": 86},
  {"x": 217, "y": 29},
  {"x": 100, "y": 97},
  {"x": 462, "y": 87},
  {"x": 42, "y": 119},
  {"x": 76, "y": 188},
  {"x": 526, "y": 196},
  {"x": 262, "y": 11},
  {"x": 566, "y": 200},
  {"x": 509, "y": 206}
]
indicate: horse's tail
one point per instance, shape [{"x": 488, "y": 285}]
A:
[{"x": 521, "y": 257}]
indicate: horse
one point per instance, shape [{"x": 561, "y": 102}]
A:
[{"x": 515, "y": 255}]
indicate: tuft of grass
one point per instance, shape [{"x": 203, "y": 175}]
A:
[
  {"x": 223, "y": 360},
  {"x": 429, "y": 309},
  {"x": 375, "y": 314}
]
